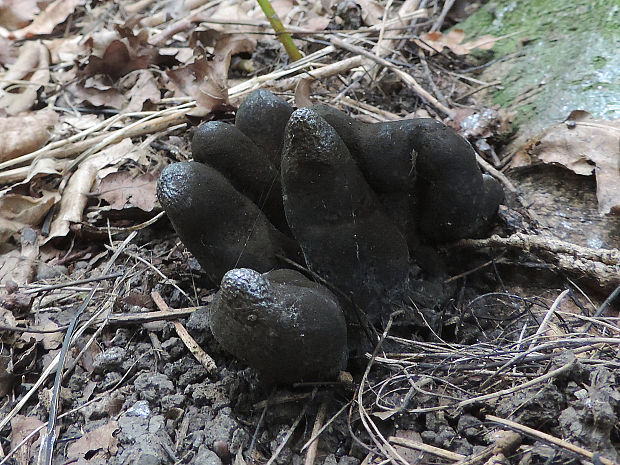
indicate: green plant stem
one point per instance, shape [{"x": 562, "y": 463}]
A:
[{"x": 283, "y": 35}]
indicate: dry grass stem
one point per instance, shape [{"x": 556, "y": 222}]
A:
[
  {"x": 551, "y": 439},
  {"x": 205, "y": 359},
  {"x": 444, "y": 454}
]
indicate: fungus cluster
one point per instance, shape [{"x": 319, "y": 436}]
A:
[{"x": 355, "y": 203}]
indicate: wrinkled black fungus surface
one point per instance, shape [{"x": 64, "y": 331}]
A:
[
  {"x": 449, "y": 198},
  {"x": 262, "y": 117},
  {"x": 285, "y": 326},
  {"x": 225, "y": 148},
  {"x": 336, "y": 217},
  {"x": 455, "y": 201},
  {"x": 221, "y": 227},
  {"x": 384, "y": 151}
]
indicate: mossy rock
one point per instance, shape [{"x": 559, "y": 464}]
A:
[{"x": 567, "y": 58}]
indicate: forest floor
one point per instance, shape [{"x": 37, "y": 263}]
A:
[{"x": 520, "y": 365}]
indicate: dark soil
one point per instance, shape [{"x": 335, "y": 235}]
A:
[
  {"x": 457, "y": 360},
  {"x": 166, "y": 408}
]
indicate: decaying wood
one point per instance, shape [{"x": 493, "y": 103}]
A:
[{"x": 602, "y": 265}]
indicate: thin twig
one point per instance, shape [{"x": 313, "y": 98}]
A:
[
  {"x": 47, "y": 442},
  {"x": 543, "y": 325},
  {"x": 444, "y": 454},
  {"x": 551, "y": 439},
  {"x": 609, "y": 257},
  {"x": 290, "y": 431},
  {"x": 51, "y": 287},
  {"x": 318, "y": 423},
  {"x": 205, "y": 359},
  {"x": 408, "y": 79}
]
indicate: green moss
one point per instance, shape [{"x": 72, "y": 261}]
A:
[
  {"x": 543, "y": 19},
  {"x": 561, "y": 55},
  {"x": 599, "y": 62}
]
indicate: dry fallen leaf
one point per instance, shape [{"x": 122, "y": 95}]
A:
[
  {"x": 143, "y": 90},
  {"x": 45, "y": 22},
  {"x": 586, "y": 146},
  {"x": 96, "y": 93},
  {"x": 22, "y": 426},
  {"x": 434, "y": 42},
  {"x": 76, "y": 193},
  {"x": 65, "y": 49},
  {"x": 25, "y": 64},
  {"x": 123, "y": 52},
  {"x": 96, "y": 445},
  {"x": 17, "y": 13},
  {"x": 25, "y": 133},
  {"x": 116, "y": 61},
  {"x": 183, "y": 55},
  {"x": 50, "y": 341},
  {"x": 372, "y": 11},
  {"x": 18, "y": 211},
  {"x": 19, "y": 265},
  {"x": 70, "y": 124},
  {"x": 207, "y": 81},
  {"x": 188, "y": 79},
  {"x": 21, "y": 96},
  {"x": 99, "y": 40},
  {"x": 123, "y": 189},
  {"x": 42, "y": 176},
  {"x": 231, "y": 10}
]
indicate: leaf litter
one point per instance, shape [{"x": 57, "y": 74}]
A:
[
  {"x": 586, "y": 146},
  {"x": 98, "y": 97}
]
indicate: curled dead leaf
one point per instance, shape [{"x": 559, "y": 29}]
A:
[
  {"x": 207, "y": 80},
  {"x": 96, "y": 95},
  {"x": 96, "y": 445},
  {"x": 585, "y": 146},
  {"x": 19, "y": 211},
  {"x": 116, "y": 61},
  {"x": 75, "y": 194},
  {"x": 25, "y": 133},
  {"x": 45, "y": 22},
  {"x": 25, "y": 64},
  {"x": 302, "y": 93},
  {"x": 122, "y": 189},
  {"x": 123, "y": 52},
  {"x": 31, "y": 66}
]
